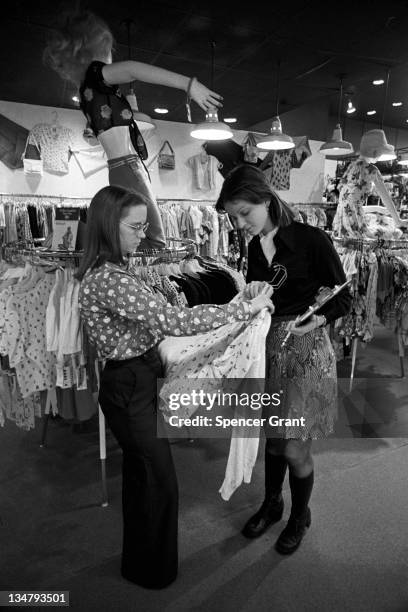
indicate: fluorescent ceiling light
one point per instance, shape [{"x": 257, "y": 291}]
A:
[
  {"x": 161, "y": 111},
  {"x": 371, "y": 112},
  {"x": 378, "y": 82},
  {"x": 397, "y": 103},
  {"x": 230, "y": 119}
]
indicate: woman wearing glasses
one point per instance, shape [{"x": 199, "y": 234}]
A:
[
  {"x": 81, "y": 52},
  {"x": 306, "y": 370},
  {"x": 126, "y": 322}
]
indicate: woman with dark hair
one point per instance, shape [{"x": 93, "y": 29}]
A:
[
  {"x": 126, "y": 322},
  {"x": 305, "y": 371},
  {"x": 81, "y": 52}
]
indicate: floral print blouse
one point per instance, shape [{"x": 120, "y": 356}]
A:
[
  {"x": 106, "y": 107},
  {"x": 124, "y": 319},
  {"x": 356, "y": 185}
]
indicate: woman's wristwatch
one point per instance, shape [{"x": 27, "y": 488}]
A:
[{"x": 323, "y": 321}]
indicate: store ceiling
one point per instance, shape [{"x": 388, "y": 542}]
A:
[{"x": 361, "y": 39}]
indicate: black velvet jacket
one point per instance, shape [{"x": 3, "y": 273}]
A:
[{"x": 311, "y": 261}]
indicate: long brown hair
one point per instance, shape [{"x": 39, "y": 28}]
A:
[
  {"x": 102, "y": 241},
  {"x": 248, "y": 183}
]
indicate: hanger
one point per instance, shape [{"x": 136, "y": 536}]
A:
[
  {"x": 203, "y": 155},
  {"x": 55, "y": 125}
]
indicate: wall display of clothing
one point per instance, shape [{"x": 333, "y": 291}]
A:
[
  {"x": 276, "y": 167},
  {"x": 13, "y": 138},
  {"x": 42, "y": 344},
  {"x": 54, "y": 141},
  {"x": 276, "y": 164},
  {"x": 204, "y": 168},
  {"x": 379, "y": 287}
]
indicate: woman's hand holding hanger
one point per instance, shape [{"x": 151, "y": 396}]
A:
[
  {"x": 252, "y": 290},
  {"x": 262, "y": 299}
]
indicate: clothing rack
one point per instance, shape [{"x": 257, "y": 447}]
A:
[
  {"x": 376, "y": 243},
  {"x": 61, "y": 197},
  {"x": 191, "y": 200},
  {"x": 42, "y": 196},
  {"x": 373, "y": 243},
  {"x": 11, "y": 250},
  {"x": 314, "y": 204}
]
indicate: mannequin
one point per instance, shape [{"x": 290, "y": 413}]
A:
[
  {"x": 357, "y": 183},
  {"x": 81, "y": 52}
]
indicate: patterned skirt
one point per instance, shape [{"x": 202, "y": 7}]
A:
[{"x": 304, "y": 373}]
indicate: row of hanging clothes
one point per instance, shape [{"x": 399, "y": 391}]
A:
[
  {"x": 199, "y": 221},
  {"x": 43, "y": 344},
  {"x": 46, "y": 359},
  {"x": 379, "y": 271},
  {"x": 25, "y": 217},
  {"x": 317, "y": 215},
  {"x": 191, "y": 281},
  {"x": 28, "y": 218}
]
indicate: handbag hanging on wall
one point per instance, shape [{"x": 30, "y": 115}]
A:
[
  {"x": 167, "y": 161},
  {"x": 32, "y": 166}
]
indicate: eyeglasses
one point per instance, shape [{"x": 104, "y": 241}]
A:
[{"x": 139, "y": 227}]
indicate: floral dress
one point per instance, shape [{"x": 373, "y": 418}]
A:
[{"x": 355, "y": 186}]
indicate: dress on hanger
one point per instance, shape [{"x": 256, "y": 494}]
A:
[{"x": 350, "y": 220}]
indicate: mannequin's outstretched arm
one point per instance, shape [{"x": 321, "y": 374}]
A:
[
  {"x": 118, "y": 73},
  {"x": 387, "y": 200}
]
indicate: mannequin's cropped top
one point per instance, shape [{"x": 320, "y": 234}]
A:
[{"x": 105, "y": 107}]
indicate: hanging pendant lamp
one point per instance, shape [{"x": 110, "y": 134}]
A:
[
  {"x": 390, "y": 154},
  {"x": 212, "y": 128},
  {"x": 143, "y": 121},
  {"x": 336, "y": 145},
  {"x": 276, "y": 140}
]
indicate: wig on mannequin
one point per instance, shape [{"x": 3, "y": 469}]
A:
[{"x": 82, "y": 38}]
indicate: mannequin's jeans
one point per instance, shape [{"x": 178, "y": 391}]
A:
[{"x": 129, "y": 172}]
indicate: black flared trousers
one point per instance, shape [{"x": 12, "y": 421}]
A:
[{"x": 128, "y": 399}]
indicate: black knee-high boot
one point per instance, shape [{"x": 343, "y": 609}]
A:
[
  {"x": 272, "y": 508},
  {"x": 300, "y": 517}
]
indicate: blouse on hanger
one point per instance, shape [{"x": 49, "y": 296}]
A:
[{"x": 55, "y": 142}]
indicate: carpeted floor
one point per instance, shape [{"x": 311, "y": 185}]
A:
[{"x": 54, "y": 535}]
